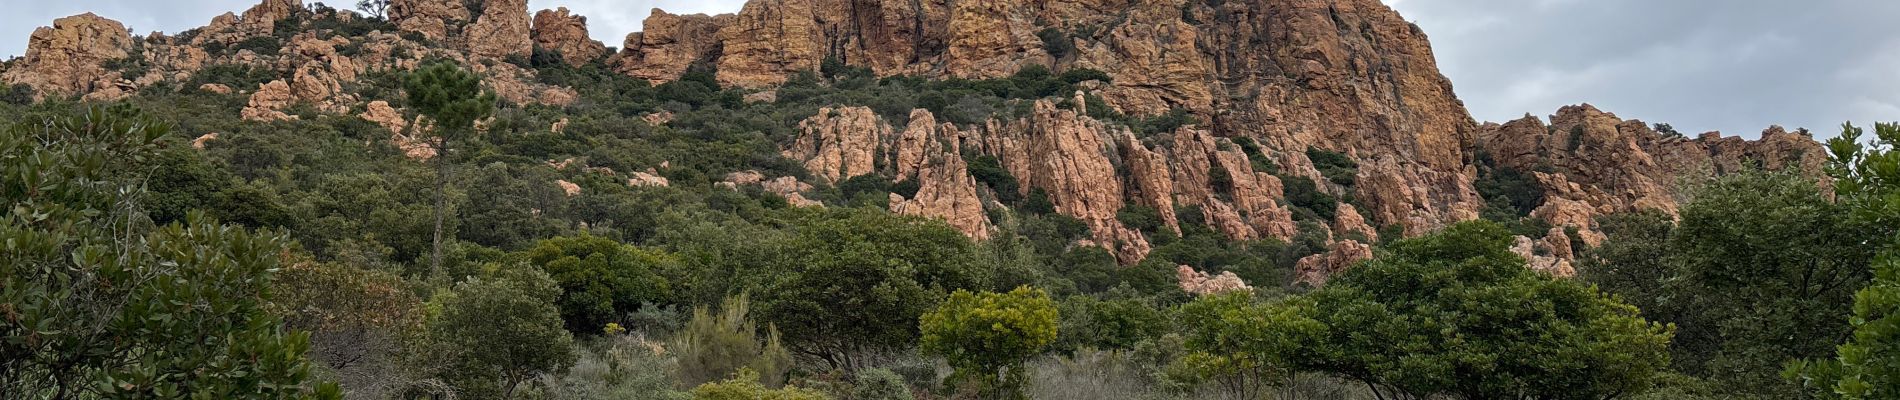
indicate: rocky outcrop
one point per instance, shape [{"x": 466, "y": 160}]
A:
[
  {"x": 1069, "y": 156},
  {"x": 68, "y": 58},
  {"x": 1199, "y": 283},
  {"x": 992, "y": 38},
  {"x": 647, "y": 179},
  {"x": 1348, "y": 222},
  {"x": 769, "y": 40},
  {"x": 433, "y": 19},
  {"x": 1591, "y": 163},
  {"x": 669, "y": 45},
  {"x": 926, "y": 153},
  {"x": 1316, "y": 269},
  {"x": 200, "y": 142},
  {"x": 568, "y": 188},
  {"x": 566, "y": 33},
  {"x": 785, "y": 186},
  {"x": 1150, "y": 181},
  {"x": 840, "y": 143},
  {"x": 502, "y": 30},
  {"x": 411, "y": 143},
  {"x": 1541, "y": 257},
  {"x": 268, "y": 102},
  {"x": 1245, "y": 204}
]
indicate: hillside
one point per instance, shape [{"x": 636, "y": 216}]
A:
[
  {"x": 1115, "y": 153},
  {"x": 1295, "y": 78}
]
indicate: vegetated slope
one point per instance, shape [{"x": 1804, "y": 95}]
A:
[{"x": 1127, "y": 125}]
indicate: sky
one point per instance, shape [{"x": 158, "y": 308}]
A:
[{"x": 1736, "y": 66}]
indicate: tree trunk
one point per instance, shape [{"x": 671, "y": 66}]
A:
[{"x": 441, "y": 208}]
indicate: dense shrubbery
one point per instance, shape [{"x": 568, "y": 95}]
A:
[{"x": 621, "y": 292}]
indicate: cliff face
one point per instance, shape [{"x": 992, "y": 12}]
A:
[{"x": 1335, "y": 103}]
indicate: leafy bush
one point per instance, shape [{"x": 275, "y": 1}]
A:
[
  {"x": 988, "y": 336},
  {"x": 600, "y": 279}
]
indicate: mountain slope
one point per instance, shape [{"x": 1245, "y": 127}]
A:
[{"x": 1305, "y": 114}]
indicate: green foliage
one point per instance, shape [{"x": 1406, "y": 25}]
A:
[
  {"x": 744, "y": 385},
  {"x": 1634, "y": 262},
  {"x": 988, "y": 336},
  {"x": 850, "y": 283},
  {"x": 1257, "y": 158},
  {"x": 600, "y": 279},
  {"x": 989, "y": 171},
  {"x": 16, "y": 94},
  {"x": 880, "y": 384},
  {"x": 451, "y": 97},
  {"x": 1336, "y": 167},
  {"x": 619, "y": 367},
  {"x": 1056, "y": 42},
  {"x": 1242, "y": 347},
  {"x": 262, "y": 45},
  {"x": 1089, "y": 322},
  {"x": 714, "y": 346},
  {"x": 1141, "y": 218},
  {"x": 492, "y": 334},
  {"x": 1867, "y": 366},
  {"x": 1506, "y": 187},
  {"x": 1763, "y": 270},
  {"x": 101, "y": 303},
  {"x": 1456, "y": 313},
  {"x": 1305, "y": 196},
  {"x": 1667, "y": 130}
]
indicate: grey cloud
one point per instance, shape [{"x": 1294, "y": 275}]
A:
[{"x": 1735, "y": 66}]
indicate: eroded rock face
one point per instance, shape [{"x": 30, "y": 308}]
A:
[
  {"x": 840, "y": 143},
  {"x": 434, "y": 19},
  {"x": 503, "y": 29},
  {"x": 992, "y": 38},
  {"x": 670, "y": 44},
  {"x": 1068, "y": 156},
  {"x": 1316, "y": 269},
  {"x": 769, "y": 40},
  {"x": 68, "y": 58},
  {"x": 926, "y": 153},
  {"x": 561, "y": 31},
  {"x": 1599, "y": 164},
  {"x": 268, "y": 102}
]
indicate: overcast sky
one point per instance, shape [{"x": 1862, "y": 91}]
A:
[{"x": 1730, "y": 65}]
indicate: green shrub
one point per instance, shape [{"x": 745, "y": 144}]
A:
[
  {"x": 713, "y": 346},
  {"x": 880, "y": 384},
  {"x": 744, "y": 385},
  {"x": 1336, "y": 167}
]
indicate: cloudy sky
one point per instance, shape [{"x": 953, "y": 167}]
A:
[{"x": 1730, "y": 65}]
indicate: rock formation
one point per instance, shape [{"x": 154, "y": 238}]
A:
[
  {"x": 566, "y": 33},
  {"x": 433, "y": 19},
  {"x": 926, "y": 153},
  {"x": 268, "y": 102},
  {"x": 1591, "y": 163},
  {"x": 769, "y": 40},
  {"x": 1199, "y": 283},
  {"x": 68, "y": 58},
  {"x": 1316, "y": 269},
  {"x": 670, "y": 44},
  {"x": 502, "y": 29},
  {"x": 840, "y": 143}
]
